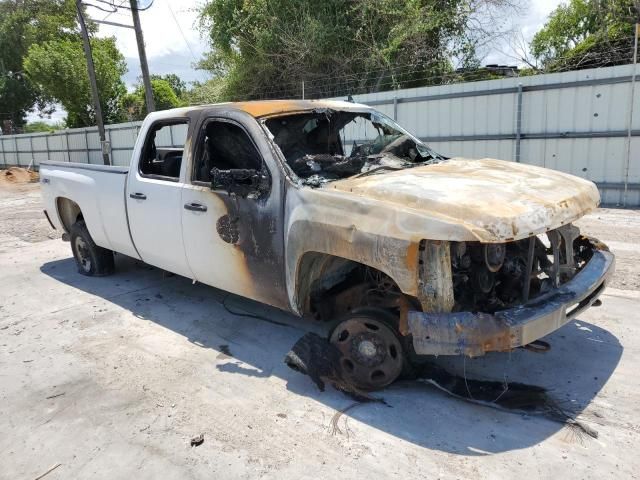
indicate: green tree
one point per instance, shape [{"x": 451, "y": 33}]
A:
[
  {"x": 59, "y": 68},
  {"x": 200, "y": 93},
  {"x": 39, "y": 126},
  {"x": 164, "y": 96},
  {"x": 178, "y": 85},
  {"x": 267, "y": 48},
  {"x": 587, "y": 34},
  {"x": 24, "y": 23}
]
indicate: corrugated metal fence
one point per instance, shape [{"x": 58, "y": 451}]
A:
[
  {"x": 72, "y": 145},
  {"x": 576, "y": 122}
]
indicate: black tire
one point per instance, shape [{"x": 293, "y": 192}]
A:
[{"x": 92, "y": 260}]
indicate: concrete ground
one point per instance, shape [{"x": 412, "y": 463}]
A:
[{"x": 111, "y": 377}]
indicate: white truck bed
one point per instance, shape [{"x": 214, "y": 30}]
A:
[{"x": 101, "y": 191}]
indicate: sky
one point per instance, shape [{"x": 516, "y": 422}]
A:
[
  {"x": 173, "y": 42},
  {"x": 532, "y": 19}
]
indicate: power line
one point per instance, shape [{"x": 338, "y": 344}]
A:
[
  {"x": 116, "y": 10},
  {"x": 168, "y": 4},
  {"x": 86, "y": 4},
  {"x": 111, "y": 3}
]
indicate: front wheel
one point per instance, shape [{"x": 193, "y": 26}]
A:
[
  {"x": 372, "y": 354},
  {"x": 92, "y": 260}
]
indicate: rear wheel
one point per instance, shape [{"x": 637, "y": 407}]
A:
[
  {"x": 372, "y": 354},
  {"x": 92, "y": 260}
]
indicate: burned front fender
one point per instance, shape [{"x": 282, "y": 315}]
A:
[{"x": 475, "y": 334}]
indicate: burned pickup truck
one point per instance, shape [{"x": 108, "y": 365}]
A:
[{"x": 331, "y": 210}]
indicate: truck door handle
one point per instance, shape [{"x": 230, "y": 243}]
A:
[
  {"x": 138, "y": 196},
  {"x": 196, "y": 207}
]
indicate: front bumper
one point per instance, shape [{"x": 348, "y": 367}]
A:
[{"x": 475, "y": 334}]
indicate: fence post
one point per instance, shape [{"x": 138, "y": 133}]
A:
[
  {"x": 66, "y": 135},
  {"x": 46, "y": 142},
  {"x": 15, "y": 142},
  {"x": 395, "y": 106},
  {"x": 518, "y": 122},
  {"x": 33, "y": 156},
  {"x": 4, "y": 158},
  {"x": 86, "y": 144},
  {"x": 107, "y": 134}
]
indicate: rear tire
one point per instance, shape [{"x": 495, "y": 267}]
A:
[{"x": 92, "y": 260}]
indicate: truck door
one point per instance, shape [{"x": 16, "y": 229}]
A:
[
  {"x": 154, "y": 193},
  {"x": 232, "y": 221}
]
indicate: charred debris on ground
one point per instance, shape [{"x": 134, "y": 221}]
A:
[{"x": 316, "y": 357}]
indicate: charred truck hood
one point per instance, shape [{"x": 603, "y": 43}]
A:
[{"x": 494, "y": 200}]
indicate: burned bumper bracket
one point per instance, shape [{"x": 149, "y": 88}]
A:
[{"x": 475, "y": 334}]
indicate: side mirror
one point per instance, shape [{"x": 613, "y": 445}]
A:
[{"x": 241, "y": 181}]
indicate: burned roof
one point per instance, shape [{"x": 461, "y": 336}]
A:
[{"x": 266, "y": 108}]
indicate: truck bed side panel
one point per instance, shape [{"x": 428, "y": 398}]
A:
[{"x": 100, "y": 193}]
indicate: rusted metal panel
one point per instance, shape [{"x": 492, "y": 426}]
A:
[
  {"x": 435, "y": 284},
  {"x": 316, "y": 221},
  {"x": 264, "y": 108}
]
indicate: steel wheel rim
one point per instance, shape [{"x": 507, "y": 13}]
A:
[
  {"x": 82, "y": 250},
  {"x": 371, "y": 353}
]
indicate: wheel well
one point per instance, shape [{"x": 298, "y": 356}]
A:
[
  {"x": 329, "y": 286},
  {"x": 68, "y": 211}
]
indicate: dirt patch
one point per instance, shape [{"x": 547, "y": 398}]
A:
[
  {"x": 18, "y": 175},
  {"x": 21, "y": 217},
  {"x": 620, "y": 230}
]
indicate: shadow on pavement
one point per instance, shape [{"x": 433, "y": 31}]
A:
[{"x": 582, "y": 358}]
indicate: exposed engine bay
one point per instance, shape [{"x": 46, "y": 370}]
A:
[
  {"x": 492, "y": 277},
  {"x": 325, "y": 145},
  {"x": 485, "y": 278}
]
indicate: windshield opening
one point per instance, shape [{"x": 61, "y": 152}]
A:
[{"x": 325, "y": 145}]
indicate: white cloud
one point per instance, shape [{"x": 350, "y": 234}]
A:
[
  {"x": 537, "y": 17},
  {"x": 528, "y": 24},
  {"x": 172, "y": 41}
]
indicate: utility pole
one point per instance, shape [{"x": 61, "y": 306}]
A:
[
  {"x": 94, "y": 85},
  {"x": 630, "y": 116},
  {"x": 146, "y": 80}
]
